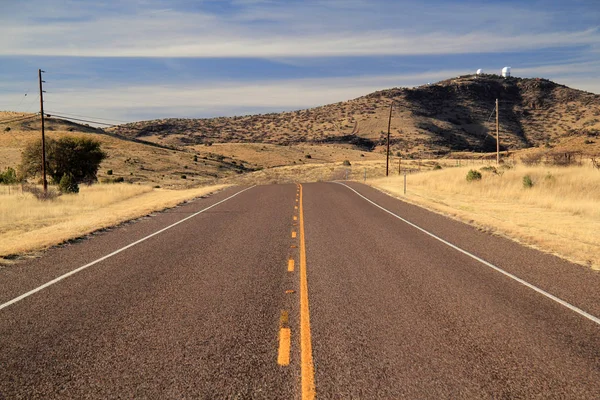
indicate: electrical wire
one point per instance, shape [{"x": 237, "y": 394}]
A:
[
  {"x": 86, "y": 116},
  {"x": 79, "y": 120}
]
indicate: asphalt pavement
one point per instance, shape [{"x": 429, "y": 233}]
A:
[{"x": 298, "y": 291}]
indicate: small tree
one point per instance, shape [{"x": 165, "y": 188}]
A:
[
  {"x": 346, "y": 163},
  {"x": 78, "y": 156},
  {"x": 67, "y": 184},
  {"x": 473, "y": 175},
  {"x": 8, "y": 177}
]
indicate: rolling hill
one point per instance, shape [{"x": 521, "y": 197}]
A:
[{"x": 454, "y": 115}]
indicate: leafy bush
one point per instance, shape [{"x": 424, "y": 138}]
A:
[
  {"x": 346, "y": 163},
  {"x": 195, "y": 158},
  {"x": 68, "y": 184},
  {"x": 489, "y": 168},
  {"x": 7, "y": 129},
  {"x": 8, "y": 177},
  {"x": 437, "y": 167},
  {"x": 473, "y": 175},
  {"x": 183, "y": 177},
  {"x": 308, "y": 156},
  {"x": 109, "y": 172},
  {"x": 78, "y": 156},
  {"x": 527, "y": 182}
]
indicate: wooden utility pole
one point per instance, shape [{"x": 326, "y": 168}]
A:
[
  {"x": 387, "y": 153},
  {"x": 497, "y": 135},
  {"x": 43, "y": 136}
]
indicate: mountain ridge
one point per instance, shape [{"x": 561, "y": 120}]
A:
[{"x": 431, "y": 120}]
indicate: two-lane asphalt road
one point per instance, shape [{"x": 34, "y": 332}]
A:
[{"x": 294, "y": 290}]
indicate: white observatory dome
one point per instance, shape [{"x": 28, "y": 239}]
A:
[
  {"x": 506, "y": 72},
  {"x": 479, "y": 71}
]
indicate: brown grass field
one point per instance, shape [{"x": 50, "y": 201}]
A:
[
  {"x": 27, "y": 224},
  {"x": 559, "y": 214}
]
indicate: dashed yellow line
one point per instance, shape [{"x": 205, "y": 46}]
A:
[
  {"x": 306, "y": 358},
  {"x": 293, "y": 234},
  {"x": 290, "y": 265},
  {"x": 285, "y": 335},
  {"x": 295, "y": 218}
]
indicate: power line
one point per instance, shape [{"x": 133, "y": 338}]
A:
[
  {"x": 87, "y": 116},
  {"x": 79, "y": 120}
]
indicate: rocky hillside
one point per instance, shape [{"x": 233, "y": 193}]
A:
[{"x": 431, "y": 120}]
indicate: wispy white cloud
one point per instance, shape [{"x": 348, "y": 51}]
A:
[
  {"x": 224, "y": 97},
  {"x": 276, "y": 30},
  {"x": 227, "y": 98}
]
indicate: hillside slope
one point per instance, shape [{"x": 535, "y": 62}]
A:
[
  {"x": 431, "y": 120},
  {"x": 132, "y": 160}
]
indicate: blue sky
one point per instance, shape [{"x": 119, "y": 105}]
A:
[{"x": 143, "y": 59}]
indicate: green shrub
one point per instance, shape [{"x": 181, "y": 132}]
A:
[
  {"x": 78, "y": 156},
  {"x": 8, "y": 177},
  {"x": 183, "y": 177},
  {"x": 109, "y": 172},
  {"x": 195, "y": 158},
  {"x": 308, "y": 156},
  {"x": 68, "y": 184},
  {"x": 119, "y": 179},
  {"x": 527, "y": 182},
  {"x": 437, "y": 166},
  {"x": 489, "y": 168},
  {"x": 473, "y": 175},
  {"x": 346, "y": 163}
]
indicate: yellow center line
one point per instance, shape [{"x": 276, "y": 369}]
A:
[
  {"x": 285, "y": 334},
  {"x": 293, "y": 234},
  {"x": 295, "y": 218},
  {"x": 290, "y": 265},
  {"x": 307, "y": 368}
]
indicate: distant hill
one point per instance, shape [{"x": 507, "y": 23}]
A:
[{"x": 431, "y": 120}]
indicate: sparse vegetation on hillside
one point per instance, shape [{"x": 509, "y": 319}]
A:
[{"x": 431, "y": 120}]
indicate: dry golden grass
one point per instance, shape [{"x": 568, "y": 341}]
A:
[
  {"x": 559, "y": 214},
  {"x": 134, "y": 162},
  {"x": 271, "y": 155},
  {"x": 27, "y": 224}
]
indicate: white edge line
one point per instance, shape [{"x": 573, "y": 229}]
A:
[
  {"x": 60, "y": 278},
  {"x": 508, "y": 274}
]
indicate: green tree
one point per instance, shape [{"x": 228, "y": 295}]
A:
[
  {"x": 8, "y": 177},
  {"x": 67, "y": 184},
  {"x": 77, "y": 156}
]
